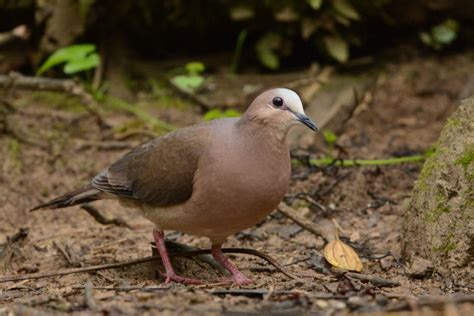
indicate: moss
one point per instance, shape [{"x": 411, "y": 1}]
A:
[
  {"x": 447, "y": 246},
  {"x": 441, "y": 208},
  {"x": 467, "y": 157},
  {"x": 452, "y": 122},
  {"x": 444, "y": 249},
  {"x": 430, "y": 164},
  {"x": 465, "y": 160}
]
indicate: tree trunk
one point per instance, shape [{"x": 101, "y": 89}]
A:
[{"x": 439, "y": 222}]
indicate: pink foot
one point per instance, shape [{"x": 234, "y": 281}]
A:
[
  {"x": 170, "y": 275},
  {"x": 238, "y": 278},
  {"x": 179, "y": 279}
]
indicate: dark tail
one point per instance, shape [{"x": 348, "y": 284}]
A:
[{"x": 83, "y": 195}]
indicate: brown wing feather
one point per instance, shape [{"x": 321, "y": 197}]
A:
[{"x": 159, "y": 172}]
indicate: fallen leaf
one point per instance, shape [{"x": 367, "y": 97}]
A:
[{"x": 342, "y": 256}]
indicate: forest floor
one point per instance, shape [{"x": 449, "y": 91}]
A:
[{"x": 56, "y": 146}]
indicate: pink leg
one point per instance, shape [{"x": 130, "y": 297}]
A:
[
  {"x": 170, "y": 274},
  {"x": 237, "y": 277}
]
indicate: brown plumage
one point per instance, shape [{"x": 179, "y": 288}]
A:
[{"x": 212, "y": 179}]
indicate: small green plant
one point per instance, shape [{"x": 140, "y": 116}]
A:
[
  {"x": 329, "y": 137},
  {"x": 441, "y": 35},
  {"x": 76, "y": 58},
  {"x": 266, "y": 49},
  {"x": 239, "y": 46},
  {"x": 192, "y": 80},
  {"x": 218, "y": 113}
]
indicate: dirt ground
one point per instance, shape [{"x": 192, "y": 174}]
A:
[{"x": 61, "y": 147}]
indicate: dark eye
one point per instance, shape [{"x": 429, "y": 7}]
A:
[{"x": 277, "y": 101}]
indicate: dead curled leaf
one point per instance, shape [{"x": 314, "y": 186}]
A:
[{"x": 342, "y": 256}]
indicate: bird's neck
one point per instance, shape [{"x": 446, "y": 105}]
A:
[{"x": 263, "y": 132}]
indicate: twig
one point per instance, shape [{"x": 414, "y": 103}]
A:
[
  {"x": 192, "y": 97},
  {"x": 324, "y": 229},
  {"x": 40, "y": 275},
  {"x": 331, "y": 187},
  {"x": 101, "y": 218},
  {"x": 124, "y": 288},
  {"x": 176, "y": 247},
  {"x": 99, "y": 71},
  {"x": 64, "y": 253},
  {"x": 21, "y": 234},
  {"x": 142, "y": 115},
  {"x": 15, "y": 80},
  {"x": 247, "y": 251},
  {"x": 72, "y": 258},
  {"x": 326, "y": 161},
  {"x": 19, "y": 32},
  {"x": 261, "y": 293},
  {"x": 375, "y": 280}
]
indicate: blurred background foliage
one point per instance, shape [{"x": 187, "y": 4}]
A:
[{"x": 268, "y": 34}]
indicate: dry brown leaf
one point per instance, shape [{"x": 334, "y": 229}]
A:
[{"x": 342, "y": 256}]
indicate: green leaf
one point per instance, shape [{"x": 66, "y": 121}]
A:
[
  {"x": 265, "y": 49},
  {"x": 337, "y": 48},
  {"x": 445, "y": 32},
  {"x": 345, "y": 8},
  {"x": 217, "y": 113},
  {"x": 329, "y": 137},
  {"x": 315, "y": 4},
  {"x": 66, "y": 54},
  {"x": 195, "y": 68},
  {"x": 188, "y": 83},
  {"x": 82, "y": 64}
]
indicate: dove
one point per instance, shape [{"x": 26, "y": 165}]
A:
[{"x": 211, "y": 179}]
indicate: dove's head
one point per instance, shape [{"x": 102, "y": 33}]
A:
[{"x": 281, "y": 108}]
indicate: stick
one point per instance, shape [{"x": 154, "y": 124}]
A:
[
  {"x": 324, "y": 229},
  {"x": 40, "y": 275},
  {"x": 176, "y": 247},
  {"x": 19, "y": 32},
  {"x": 124, "y": 288},
  {"x": 261, "y": 293},
  {"x": 101, "y": 218},
  {"x": 375, "y": 280},
  {"x": 247, "y": 251}
]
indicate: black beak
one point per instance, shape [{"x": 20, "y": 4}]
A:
[{"x": 306, "y": 121}]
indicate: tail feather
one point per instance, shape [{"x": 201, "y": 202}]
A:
[{"x": 82, "y": 195}]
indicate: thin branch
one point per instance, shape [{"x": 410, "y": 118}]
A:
[
  {"x": 324, "y": 228},
  {"x": 101, "y": 218},
  {"x": 262, "y": 293},
  {"x": 375, "y": 280},
  {"x": 326, "y": 161},
  {"x": 20, "y": 32},
  {"x": 40, "y": 275}
]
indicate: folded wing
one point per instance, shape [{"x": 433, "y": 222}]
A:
[{"x": 159, "y": 172}]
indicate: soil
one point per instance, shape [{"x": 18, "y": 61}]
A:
[{"x": 58, "y": 147}]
